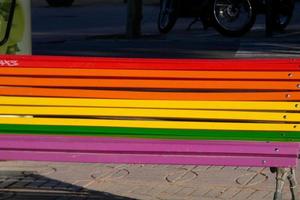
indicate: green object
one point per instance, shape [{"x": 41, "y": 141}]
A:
[
  {"x": 151, "y": 133},
  {"x": 17, "y": 29}
]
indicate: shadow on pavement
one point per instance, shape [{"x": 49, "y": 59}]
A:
[{"x": 20, "y": 185}]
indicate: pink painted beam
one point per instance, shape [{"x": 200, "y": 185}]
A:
[
  {"x": 130, "y": 158},
  {"x": 137, "y": 151}
]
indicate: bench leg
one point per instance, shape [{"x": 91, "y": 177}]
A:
[
  {"x": 282, "y": 176},
  {"x": 293, "y": 184}
]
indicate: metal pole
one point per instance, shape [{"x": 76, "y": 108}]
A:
[
  {"x": 134, "y": 18},
  {"x": 25, "y": 45}
]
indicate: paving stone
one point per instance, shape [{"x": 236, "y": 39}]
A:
[
  {"x": 145, "y": 182},
  {"x": 50, "y": 184},
  {"x": 185, "y": 192},
  {"x": 62, "y": 186},
  {"x": 6, "y": 184},
  {"x": 215, "y": 192},
  {"x": 200, "y": 191},
  {"x": 229, "y": 193},
  {"x": 6, "y": 195},
  {"x": 243, "y": 194},
  {"x": 259, "y": 194},
  {"x": 21, "y": 184},
  {"x": 36, "y": 184}
]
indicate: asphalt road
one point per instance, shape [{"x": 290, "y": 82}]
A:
[{"x": 96, "y": 28}]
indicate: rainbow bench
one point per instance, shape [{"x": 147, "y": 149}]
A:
[{"x": 152, "y": 111}]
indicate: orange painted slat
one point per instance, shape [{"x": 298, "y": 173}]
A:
[
  {"x": 103, "y": 94},
  {"x": 151, "y": 73},
  {"x": 166, "y": 84}
]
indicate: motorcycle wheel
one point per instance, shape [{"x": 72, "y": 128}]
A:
[
  {"x": 60, "y": 3},
  {"x": 167, "y": 16},
  {"x": 233, "y": 18},
  {"x": 283, "y": 13}
]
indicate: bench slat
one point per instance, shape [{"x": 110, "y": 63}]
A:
[
  {"x": 151, "y": 133},
  {"x": 149, "y": 113},
  {"x": 120, "y": 144},
  {"x": 106, "y": 94},
  {"x": 152, "y": 124},
  {"x": 154, "y": 64},
  {"x": 101, "y": 73},
  {"x": 161, "y": 84},
  {"x": 170, "y": 152},
  {"x": 117, "y": 158},
  {"x": 165, "y": 104}
]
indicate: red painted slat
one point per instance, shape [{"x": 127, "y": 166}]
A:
[{"x": 147, "y": 64}]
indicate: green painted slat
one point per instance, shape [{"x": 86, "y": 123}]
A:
[{"x": 150, "y": 133}]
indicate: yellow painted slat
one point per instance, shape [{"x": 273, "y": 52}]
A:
[
  {"x": 226, "y": 105},
  {"x": 153, "y": 113},
  {"x": 153, "y": 124}
]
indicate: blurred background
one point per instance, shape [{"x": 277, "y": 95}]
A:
[{"x": 100, "y": 28}]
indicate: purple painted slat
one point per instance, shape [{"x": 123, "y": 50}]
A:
[
  {"x": 249, "y": 161},
  {"x": 133, "y": 145},
  {"x": 113, "y": 150},
  {"x": 131, "y": 140}
]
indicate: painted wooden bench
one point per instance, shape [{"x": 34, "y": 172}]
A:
[{"x": 152, "y": 111}]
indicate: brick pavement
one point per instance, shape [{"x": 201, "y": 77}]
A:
[{"x": 66, "y": 181}]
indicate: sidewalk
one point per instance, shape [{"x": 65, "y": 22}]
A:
[{"x": 58, "y": 181}]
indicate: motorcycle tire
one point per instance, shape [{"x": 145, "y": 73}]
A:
[
  {"x": 283, "y": 14},
  {"x": 167, "y": 16},
  {"x": 231, "y": 9},
  {"x": 60, "y": 3}
]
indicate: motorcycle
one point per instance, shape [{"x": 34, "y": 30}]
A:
[
  {"x": 171, "y": 10},
  {"x": 229, "y": 17}
]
